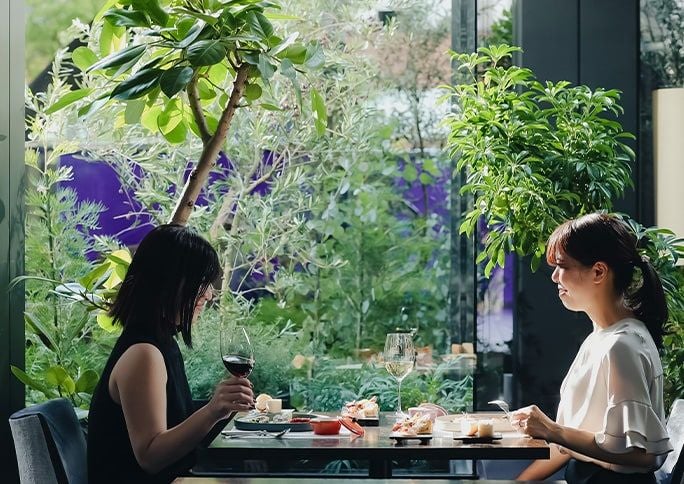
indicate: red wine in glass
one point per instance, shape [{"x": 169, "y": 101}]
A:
[
  {"x": 239, "y": 366},
  {"x": 236, "y": 352}
]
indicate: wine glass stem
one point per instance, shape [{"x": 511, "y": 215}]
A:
[{"x": 399, "y": 396}]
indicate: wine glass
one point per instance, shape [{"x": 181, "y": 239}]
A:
[
  {"x": 236, "y": 352},
  {"x": 400, "y": 357}
]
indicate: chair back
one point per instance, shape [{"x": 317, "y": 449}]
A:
[
  {"x": 672, "y": 470},
  {"x": 50, "y": 444}
]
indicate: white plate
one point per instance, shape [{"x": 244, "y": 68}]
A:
[{"x": 452, "y": 423}]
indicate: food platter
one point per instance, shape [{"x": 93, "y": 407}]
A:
[
  {"x": 476, "y": 439},
  {"x": 298, "y": 423},
  {"x": 452, "y": 423},
  {"x": 400, "y": 438}
]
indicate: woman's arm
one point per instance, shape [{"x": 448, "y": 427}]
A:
[
  {"x": 542, "y": 469},
  {"x": 535, "y": 423},
  {"x": 138, "y": 384}
]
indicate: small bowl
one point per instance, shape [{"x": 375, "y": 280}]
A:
[{"x": 325, "y": 426}]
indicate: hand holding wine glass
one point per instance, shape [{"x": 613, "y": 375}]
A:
[
  {"x": 235, "y": 393},
  {"x": 400, "y": 356}
]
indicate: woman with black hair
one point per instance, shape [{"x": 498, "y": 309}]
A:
[
  {"x": 141, "y": 425},
  {"x": 610, "y": 425}
]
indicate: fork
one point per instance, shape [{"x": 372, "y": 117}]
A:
[
  {"x": 503, "y": 406},
  {"x": 257, "y": 433}
]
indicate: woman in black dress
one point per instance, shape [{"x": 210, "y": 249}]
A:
[{"x": 142, "y": 427}]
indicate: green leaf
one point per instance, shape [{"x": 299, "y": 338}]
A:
[
  {"x": 58, "y": 376},
  {"x": 252, "y": 92},
  {"x": 137, "y": 85},
  {"x": 83, "y": 58},
  {"x": 206, "y": 53},
  {"x": 270, "y": 107},
  {"x": 45, "y": 331},
  {"x": 265, "y": 68},
  {"x": 92, "y": 107},
  {"x": 284, "y": 44},
  {"x": 314, "y": 56},
  {"x": 106, "y": 322},
  {"x": 122, "y": 57},
  {"x": 198, "y": 15},
  {"x": 175, "y": 79},
  {"x": 126, "y": 18},
  {"x": 108, "y": 4},
  {"x": 259, "y": 24},
  {"x": 94, "y": 275},
  {"x": 410, "y": 173},
  {"x": 149, "y": 118},
  {"x": 192, "y": 34},
  {"x": 153, "y": 9},
  {"x": 87, "y": 382},
  {"x": 134, "y": 110},
  {"x": 110, "y": 38},
  {"x": 206, "y": 90},
  {"x": 68, "y": 98},
  {"x": 320, "y": 114},
  {"x": 296, "y": 53},
  {"x": 426, "y": 179},
  {"x": 178, "y": 134},
  {"x": 30, "y": 382}
]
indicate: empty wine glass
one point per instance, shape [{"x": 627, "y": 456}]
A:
[{"x": 400, "y": 356}]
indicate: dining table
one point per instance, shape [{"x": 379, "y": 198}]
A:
[{"x": 375, "y": 446}]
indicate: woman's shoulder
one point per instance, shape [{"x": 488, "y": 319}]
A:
[{"x": 630, "y": 334}]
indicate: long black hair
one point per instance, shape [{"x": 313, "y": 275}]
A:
[
  {"x": 603, "y": 237},
  {"x": 172, "y": 267}
]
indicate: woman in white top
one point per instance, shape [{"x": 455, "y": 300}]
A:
[{"x": 610, "y": 425}]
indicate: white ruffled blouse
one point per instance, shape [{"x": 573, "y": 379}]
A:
[{"x": 614, "y": 388}]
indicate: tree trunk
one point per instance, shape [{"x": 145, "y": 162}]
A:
[{"x": 212, "y": 149}]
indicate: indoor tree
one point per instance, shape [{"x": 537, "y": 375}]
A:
[{"x": 164, "y": 59}]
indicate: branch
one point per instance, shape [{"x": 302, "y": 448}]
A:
[
  {"x": 210, "y": 153},
  {"x": 196, "y": 107}
]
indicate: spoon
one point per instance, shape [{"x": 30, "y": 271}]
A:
[{"x": 503, "y": 406}]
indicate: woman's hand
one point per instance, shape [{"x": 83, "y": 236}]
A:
[
  {"x": 534, "y": 423},
  {"x": 233, "y": 394}
]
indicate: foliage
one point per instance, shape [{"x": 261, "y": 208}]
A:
[
  {"x": 273, "y": 352},
  {"x": 286, "y": 208},
  {"x": 662, "y": 34},
  {"x": 501, "y": 31},
  {"x": 664, "y": 249},
  {"x": 535, "y": 154},
  {"x": 420, "y": 34},
  {"x": 169, "y": 62},
  {"x": 45, "y": 21},
  {"x": 63, "y": 354},
  {"x": 331, "y": 387}
]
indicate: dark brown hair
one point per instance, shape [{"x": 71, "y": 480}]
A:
[
  {"x": 606, "y": 238},
  {"x": 172, "y": 267}
]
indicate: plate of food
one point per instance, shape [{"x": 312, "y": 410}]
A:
[
  {"x": 476, "y": 439},
  {"x": 401, "y": 438},
  {"x": 296, "y": 422},
  {"x": 477, "y": 431},
  {"x": 416, "y": 427},
  {"x": 366, "y": 411}
]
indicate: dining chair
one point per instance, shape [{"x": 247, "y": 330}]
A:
[
  {"x": 672, "y": 470},
  {"x": 49, "y": 443}
]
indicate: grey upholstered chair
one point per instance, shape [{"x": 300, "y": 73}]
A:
[
  {"x": 672, "y": 471},
  {"x": 50, "y": 444}
]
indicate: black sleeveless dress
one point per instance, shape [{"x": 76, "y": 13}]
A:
[{"x": 110, "y": 455}]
